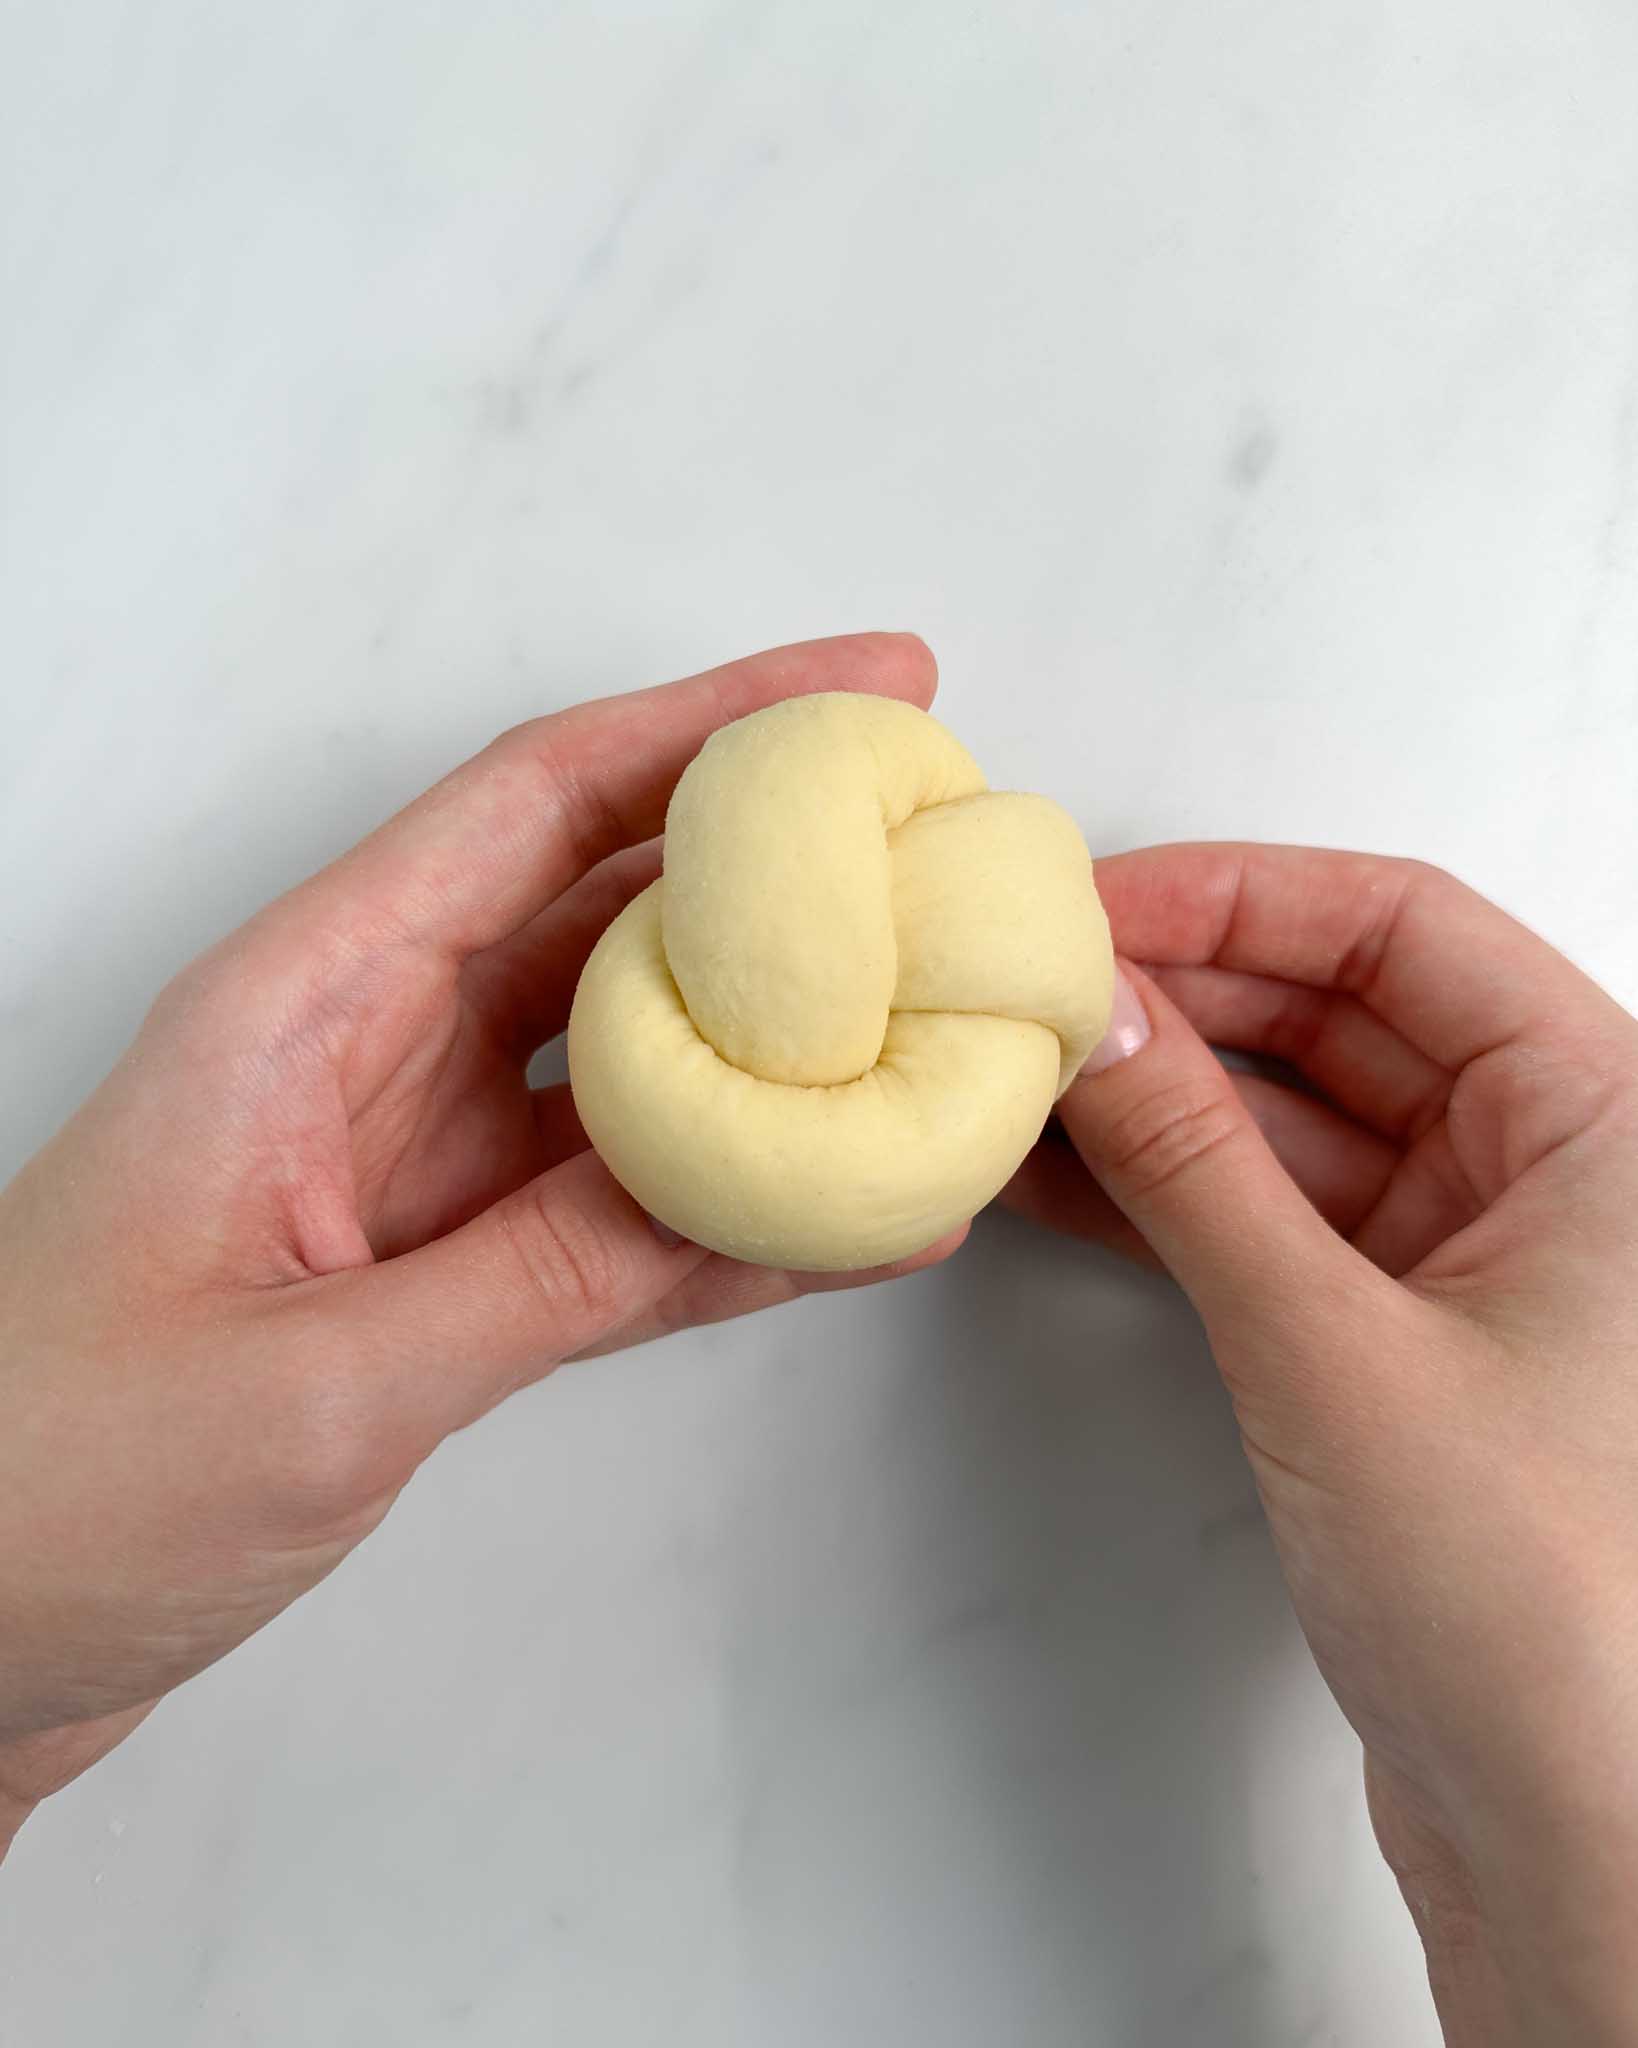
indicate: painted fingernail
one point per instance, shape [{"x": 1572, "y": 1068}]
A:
[
  {"x": 1128, "y": 1031},
  {"x": 664, "y": 1232}
]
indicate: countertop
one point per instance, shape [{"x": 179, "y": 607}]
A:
[{"x": 1243, "y": 400}]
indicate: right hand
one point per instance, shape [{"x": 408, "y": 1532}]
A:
[{"x": 1422, "y": 1292}]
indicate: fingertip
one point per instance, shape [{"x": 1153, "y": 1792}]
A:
[
  {"x": 917, "y": 1261},
  {"x": 672, "y": 1240},
  {"x": 933, "y": 1254},
  {"x": 888, "y": 664},
  {"x": 1129, "y": 1028},
  {"x": 915, "y": 664},
  {"x": 834, "y": 1280}
]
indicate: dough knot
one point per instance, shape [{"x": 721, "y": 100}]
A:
[{"x": 835, "y": 1026}]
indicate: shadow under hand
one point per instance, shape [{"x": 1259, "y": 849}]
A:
[{"x": 1001, "y": 1685}]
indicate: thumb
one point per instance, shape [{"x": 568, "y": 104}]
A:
[
  {"x": 1162, "y": 1128},
  {"x": 546, "y": 1271}
]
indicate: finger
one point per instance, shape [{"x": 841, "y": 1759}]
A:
[
  {"x": 562, "y": 1135},
  {"x": 1169, "y": 1136},
  {"x": 1428, "y": 1200},
  {"x": 1361, "y": 1062},
  {"x": 724, "y": 1288},
  {"x": 1451, "y": 972},
  {"x": 525, "y": 985},
  {"x": 444, "y": 1332},
  {"x": 1054, "y": 1189},
  {"x": 1339, "y": 1167},
  {"x": 475, "y": 858}
]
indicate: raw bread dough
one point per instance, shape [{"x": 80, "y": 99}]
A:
[{"x": 835, "y": 1026}]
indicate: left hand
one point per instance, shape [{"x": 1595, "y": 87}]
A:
[{"x": 316, "y": 1218}]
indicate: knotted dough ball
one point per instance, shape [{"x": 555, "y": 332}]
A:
[{"x": 834, "y": 1027}]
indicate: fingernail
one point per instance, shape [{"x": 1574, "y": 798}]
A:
[
  {"x": 664, "y": 1232},
  {"x": 1128, "y": 1029}
]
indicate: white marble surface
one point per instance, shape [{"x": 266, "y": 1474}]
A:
[{"x": 1244, "y": 400}]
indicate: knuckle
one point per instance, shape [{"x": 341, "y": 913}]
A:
[
  {"x": 521, "y": 746},
  {"x": 1167, "y": 1133},
  {"x": 558, "y": 752},
  {"x": 1438, "y": 886},
  {"x": 207, "y": 1002},
  {"x": 190, "y": 997},
  {"x": 569, "y": 1258},
  {"x": 1396, "y": 889},
  {"x": 1415, "y": 869}
]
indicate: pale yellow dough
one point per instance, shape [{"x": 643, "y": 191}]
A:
[{"x": 836, "y": 1025}]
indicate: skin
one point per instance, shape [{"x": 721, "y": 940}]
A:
[
  {"x": 316, "y": 1220},
  {"x": 1418, "y": 1270}
]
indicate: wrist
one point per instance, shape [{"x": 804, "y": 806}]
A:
[
  {"x": 10, "y": 1821},
  {"x": 1529, "y": 1916},
  {"x": 1559, "y": 1943},
  {"x": 34, "y": 1766},
  {"x": 1536, "y": 1949},
  {"x": 15, "y": 1808},
  {"x": 1495, "y": 1988}
]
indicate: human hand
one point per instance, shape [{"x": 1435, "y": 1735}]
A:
[
  {"x": 1422, "y": 1293},
  {"x": 316, "y": 1219}
]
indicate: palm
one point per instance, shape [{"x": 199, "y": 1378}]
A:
[
  {"x": 1396, "y": 1198},
  {"x": 1412, "y": 1116},
  {"x": 434, "y": 1112},
  {"x": 452, "y": 1131}
]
